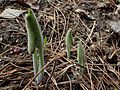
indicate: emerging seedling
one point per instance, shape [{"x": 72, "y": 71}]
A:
[
  {"x": 45, "y": 41},
  {"x": 80, "y": 56},
  {"x": 35, "y": 43},
  {"x": 68, "y": 42}
]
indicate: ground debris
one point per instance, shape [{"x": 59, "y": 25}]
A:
[{"x": 99, "y": 37}]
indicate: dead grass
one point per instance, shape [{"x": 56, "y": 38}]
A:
[{"x": 102, "y": 52}]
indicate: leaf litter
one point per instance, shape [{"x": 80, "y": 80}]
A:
[
  {"x": 11, "y": 13},
  {"x": 101, "y": 43}
]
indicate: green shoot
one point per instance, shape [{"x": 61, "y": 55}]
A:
[
  {"x": 80, "y": 55},
  {"x": 45, "y": 41},
  {"x": 35, "y": 43},
  {"x": 68, "y": 42}
]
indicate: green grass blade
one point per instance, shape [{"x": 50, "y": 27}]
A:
[
  {"x": 68, "y": 41},
  {"x": 80, "y": 55}
]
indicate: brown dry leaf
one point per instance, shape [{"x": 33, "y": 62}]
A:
[{"x": 11, "y": 13}]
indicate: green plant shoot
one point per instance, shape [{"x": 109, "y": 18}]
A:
[
  {"x": 80, "y": 55},
  {"x": 68, "y": 42},
  {"x": 35, "y": 43},
  {"x": 45, "y": 41}
]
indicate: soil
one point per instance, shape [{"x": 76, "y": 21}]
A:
[{"x": 89, "y": 22}]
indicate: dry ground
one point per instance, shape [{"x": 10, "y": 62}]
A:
[{"x": 88, "y": 21}]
